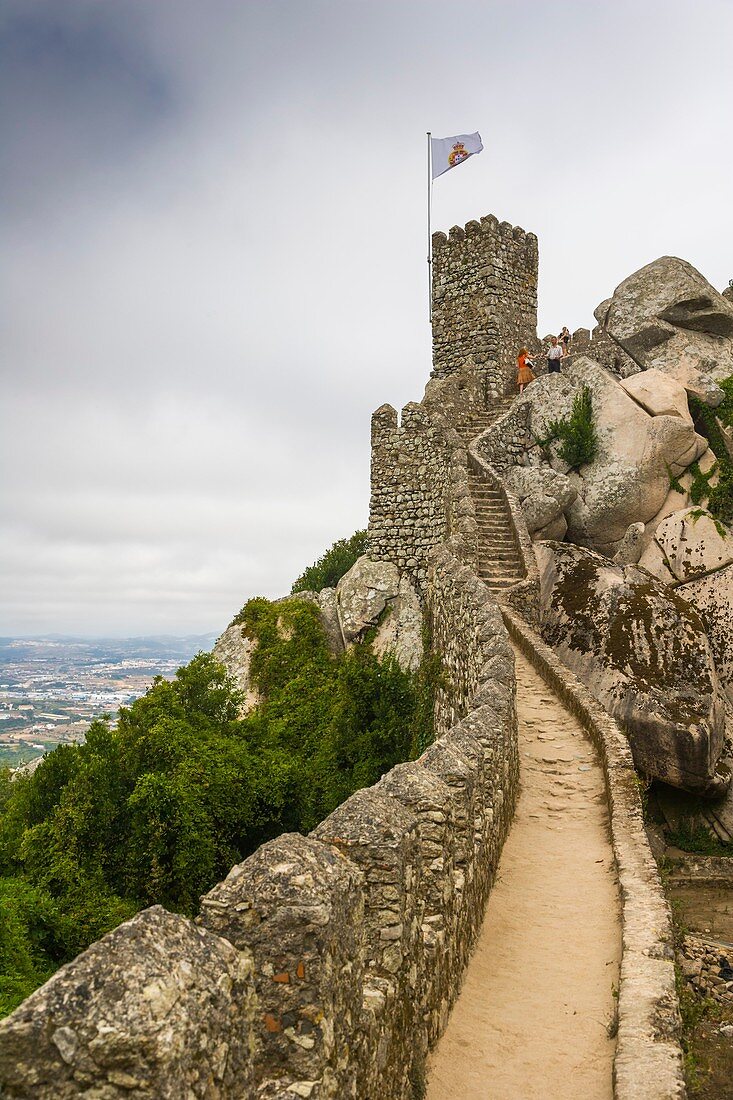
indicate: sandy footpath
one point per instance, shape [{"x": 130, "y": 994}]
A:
[{"x": 531, "y": 1017}]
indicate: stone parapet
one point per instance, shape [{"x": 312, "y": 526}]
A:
[
  {"x": 322, "y": 967},
  {"x": 158, "y": 1008}
]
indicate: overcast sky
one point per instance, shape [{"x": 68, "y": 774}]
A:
[{"x": 213, "y": 220}]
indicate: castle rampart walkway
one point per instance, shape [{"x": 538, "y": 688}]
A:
[{"x": 531, "y": 1020}]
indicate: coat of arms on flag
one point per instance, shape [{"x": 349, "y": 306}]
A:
[{"x": 446, "y": 153}]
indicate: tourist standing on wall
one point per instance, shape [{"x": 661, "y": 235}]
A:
[
  {"x": 565, "y": 340},
  {"x": 525, "y": 374},
  {"x": 554, "y": 355}
]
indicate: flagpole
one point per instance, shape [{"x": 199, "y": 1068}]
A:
[{"x": 430, "y": 238}]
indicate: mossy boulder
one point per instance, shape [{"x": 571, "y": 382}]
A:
[
  {"x": 628, "y": 480},
  {"x": 643, "y": 652},
  {"x": 666, "y": 316}
]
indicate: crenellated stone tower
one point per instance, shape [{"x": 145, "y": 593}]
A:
[
  {"x": 484, "y": 310},
  {"x": 484, "y": 301}
]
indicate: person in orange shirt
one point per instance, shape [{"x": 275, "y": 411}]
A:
[{"x": 525, "y": 374}]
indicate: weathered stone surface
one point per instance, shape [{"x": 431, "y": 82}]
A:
[
  {"x": 544, "y": 494},
  {"x": 659, "y": 394},
  {"x": 234, "y": 649},
  {"x": 628, "y": 480},
  {"x": 668, "y": 317},
  {"x": 631, "y": 546},
  {"x": 325, "y": 600},
  {"x": 298, "y": 906},
  {"x": 643, "y": 652},
  {"x": 380, "y": 835},
  {"x": 400, "y": 632},
  {"x": 713, "y": 598},
  {"x": 555, "y": 529},
  {"x": 362, "y": 595},
  {"x": 157, "y": 1008},
  {"x": 686, "y": 543}
]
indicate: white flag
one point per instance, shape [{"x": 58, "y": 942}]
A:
[{"x": 446, "y": 153}]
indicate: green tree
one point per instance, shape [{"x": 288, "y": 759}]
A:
[
  {"x": 158, "y": 808},
  {"x": 331, "y": 566}
]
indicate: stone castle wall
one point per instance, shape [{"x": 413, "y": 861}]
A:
[
  {"x": 484, "y": 300},
  {"x": 323, "y": 966},
  {"x": 484, "y": 309},
  {"x": 419, "y": 477}
]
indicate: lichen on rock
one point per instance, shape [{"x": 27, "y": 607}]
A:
[{"x": 642, "y": 650}]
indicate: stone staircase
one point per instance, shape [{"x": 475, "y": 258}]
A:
[
  {"x": 479, "y": 422},
  {"x": 499, "y": 561},
  {"x": 500, "y": 564}
]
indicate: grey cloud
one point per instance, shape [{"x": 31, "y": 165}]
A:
[{"x": 215, "y": 257}]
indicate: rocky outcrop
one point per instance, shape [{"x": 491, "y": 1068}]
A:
[
  {"x": 688, "y": 543},
  {"x": 400, "y": 631},
  {"x": 668, "y": 317},
  {"x": 631, "y": 546},
  {"x": 658, "y": 394},
  {"x": 713, "y": 597},
  {"x": 374, "y": 594},
  {"x": 628, "y": 480},
  {"x": 544, "y": 495},
  {"x": 642, "y": 651},
  {"x": 234, "y": 649},
  {"x": 363, "y": 593}
]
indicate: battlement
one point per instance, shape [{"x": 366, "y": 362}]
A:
[{"x": 484, "y": 300}]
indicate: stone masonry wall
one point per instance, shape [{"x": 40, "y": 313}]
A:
[
  {"x": 419, "y": 477},
  {"x": 506, "y": 443},
  {"x": 484, "y": 300},
  {"x": 323, "y": 966},
  {"x": 484, "y": 309}
]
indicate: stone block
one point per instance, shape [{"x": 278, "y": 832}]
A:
[
  {"x": 298, "y": 905},
  {"x": 157, "y": 1008}
]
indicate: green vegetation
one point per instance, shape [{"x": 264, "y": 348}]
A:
[
  {"x": 674, "y": 482},
  {"x": 700, "y": 488},
  {"x": 720, "y": 501},
  {"x": 158, "y": 809},
  {"x": 696, "y": 838},
  {"x": 577, "y": 433},
  {"x": 720, "y": 498},
  {"x": 330, "y": 568}
]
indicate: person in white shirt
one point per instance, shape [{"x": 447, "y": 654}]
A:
[{"x": 554, "y": 355}]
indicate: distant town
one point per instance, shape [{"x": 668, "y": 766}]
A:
[{"x": 52, "y": 688}]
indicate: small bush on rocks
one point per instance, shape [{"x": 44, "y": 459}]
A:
[{"x": 577, "y": 434}]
